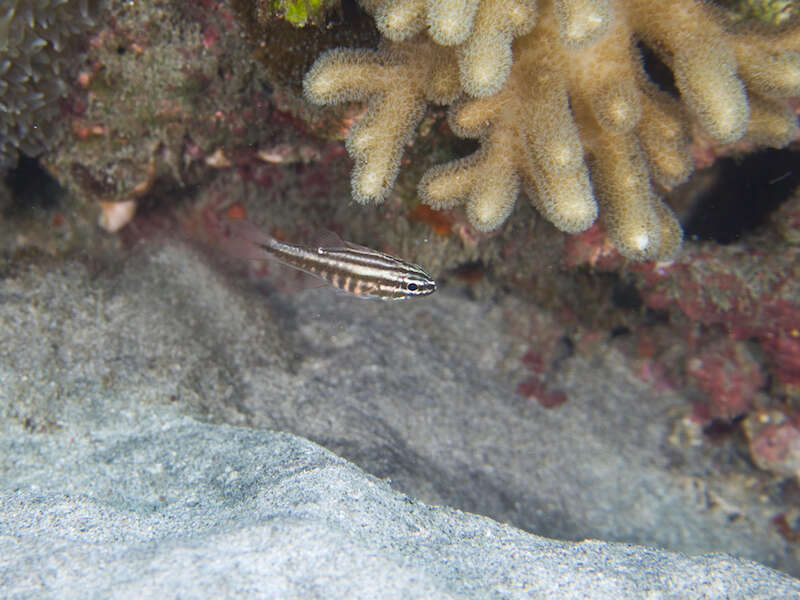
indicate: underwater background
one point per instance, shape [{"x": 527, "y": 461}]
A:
[{"x": 607, "y": 194}]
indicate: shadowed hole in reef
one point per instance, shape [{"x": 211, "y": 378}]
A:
[
  {"x": 626, "y": 295},
  {"x": 745, "y": 192},
  {"x": 657, "y": 70},
  {"x": 31, "y": 187}
]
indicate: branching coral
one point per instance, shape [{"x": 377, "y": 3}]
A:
[
  {"x": 34, "y": 37},
  {"x": 557, "y": 95}
]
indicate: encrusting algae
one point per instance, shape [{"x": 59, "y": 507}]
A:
[{"x": 556, "y": 93}]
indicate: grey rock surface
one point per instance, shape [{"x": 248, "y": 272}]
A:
[
  {"x": 149, "y": 505},
  {"x": 418, "y": 393}
]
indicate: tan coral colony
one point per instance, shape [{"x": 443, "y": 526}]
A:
[{"x": 556, "y": 93}]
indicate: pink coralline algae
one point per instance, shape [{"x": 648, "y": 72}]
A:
[
  {"x": 774, "y": 438},
  {"x": 736, "y": 309},
  {"x": 546, "y": 397},
  {"x": 741, "y": 292},
  {"x": 546, "y": 333},
  {"x": 730, "y": 376}
]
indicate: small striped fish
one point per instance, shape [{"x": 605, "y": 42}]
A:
[{"x": 354, "y": 269}]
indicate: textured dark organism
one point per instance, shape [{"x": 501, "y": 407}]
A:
[
  {"x": 556, "y": 94},
  {"x": 36, "y": 39}
]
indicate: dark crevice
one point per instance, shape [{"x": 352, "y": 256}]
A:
[
  {"x": 746, "y": 191},
  {"x": 625, "y": 295},
  {"x": 720, "y": 429},
  {"x": 463, "y": 147},
  {"x": 619, "y": 331},
  {"x": 31, "y": 187},
  {"x": 654, "y": 316},
  {"x": 657, "y": 70},
  {"x": 351, "y": 11},
  {"x": 564, "y": 350}
]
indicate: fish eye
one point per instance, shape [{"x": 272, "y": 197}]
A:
[{"x": 412, "y": 287}]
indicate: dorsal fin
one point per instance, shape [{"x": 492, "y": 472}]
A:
[
  {"x": 355, "y": 246},
  {"x": 325, "y": 238}
]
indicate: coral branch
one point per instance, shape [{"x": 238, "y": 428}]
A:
[
  {"x": 398, "y": 79},
  {"x": 552, "y": 86}
]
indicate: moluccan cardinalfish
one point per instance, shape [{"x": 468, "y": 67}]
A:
[{"x": 354, "y": 269}]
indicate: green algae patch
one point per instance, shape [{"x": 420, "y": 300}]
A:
[{"x": 301, "y": 12}]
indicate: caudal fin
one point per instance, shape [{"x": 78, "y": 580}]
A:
[{"x": 241, "y": 239}]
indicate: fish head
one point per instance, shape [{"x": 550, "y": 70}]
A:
[{"x": 415, "y": 282}]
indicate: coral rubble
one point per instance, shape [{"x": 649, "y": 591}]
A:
[
  {"x": 34, "y": 62},
  {"x": 557, "y": 95},
  {"x": 167, "y": 97}
]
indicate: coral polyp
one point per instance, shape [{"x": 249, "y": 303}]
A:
[{"x": 556, "y": 93}]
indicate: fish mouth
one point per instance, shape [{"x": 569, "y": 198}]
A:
[{"x": 430, "y": 288}]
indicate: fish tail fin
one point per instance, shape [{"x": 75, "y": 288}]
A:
[
  {"x": 244, "y": 229},
  {"x": 239, "y": 238},
  {"x": 245, "y": 240}
]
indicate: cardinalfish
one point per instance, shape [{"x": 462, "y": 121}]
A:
[{"x": 354, "y": 269}]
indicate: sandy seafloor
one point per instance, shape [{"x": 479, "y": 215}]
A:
[{"x": 138, "y": 401}]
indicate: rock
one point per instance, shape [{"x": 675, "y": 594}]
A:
[
  {"x": 418, "y": 393},
  {"x": 159, "y": 505}
]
